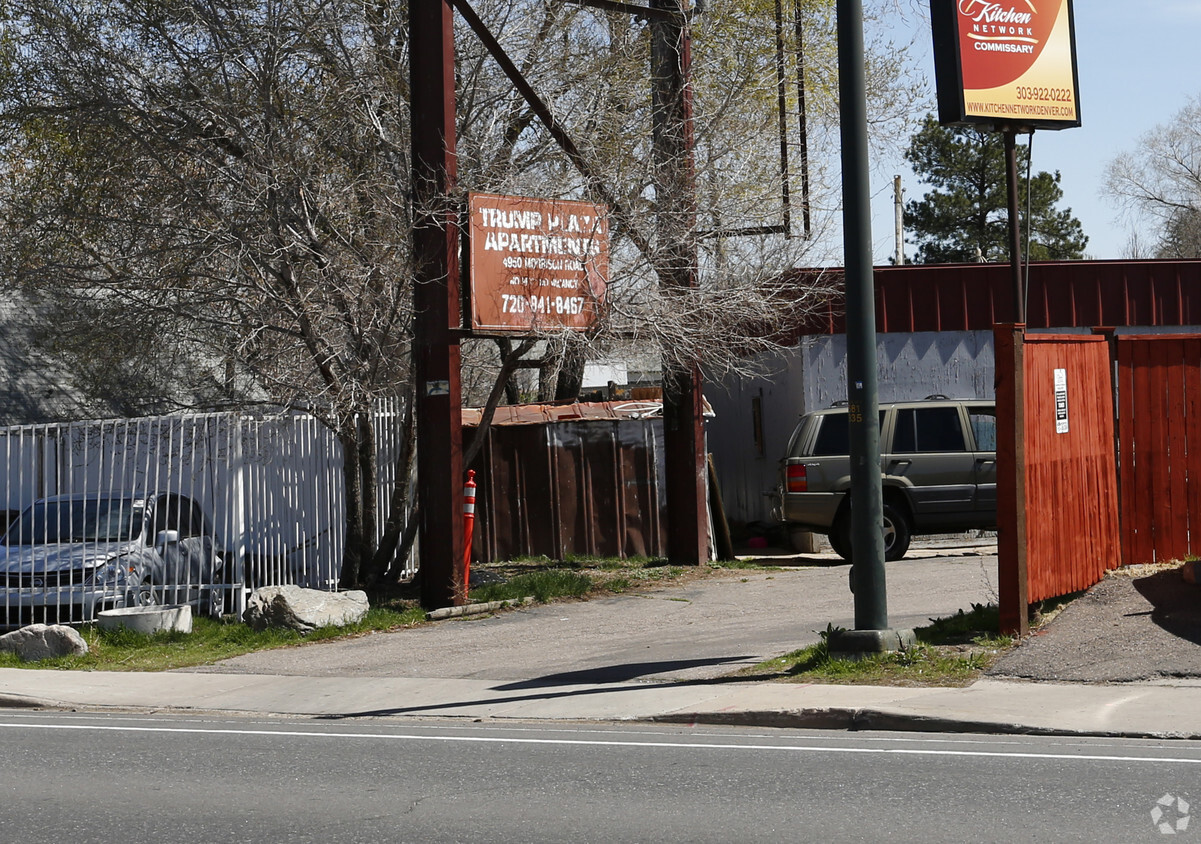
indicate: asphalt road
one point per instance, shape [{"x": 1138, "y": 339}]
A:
[
  {"x": 140, "y": 779},
  {"x": 703, "y": 629}
]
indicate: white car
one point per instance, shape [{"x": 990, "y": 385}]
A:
[{"x": 68, "y": 557}]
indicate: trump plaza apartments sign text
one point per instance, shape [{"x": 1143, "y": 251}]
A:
[
  {"x": 536, "y": 264},
  {"x": 1008, "y": 63}
]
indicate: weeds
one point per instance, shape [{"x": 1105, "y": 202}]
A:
[
  {"x": 210, "y": 640},
  {"x": 950, "y": 651},
  {"x": 544, "y": 586}
]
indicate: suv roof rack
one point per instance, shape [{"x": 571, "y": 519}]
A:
[{"x": 936, "y": 397}]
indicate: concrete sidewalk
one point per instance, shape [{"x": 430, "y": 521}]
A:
[
  {"x": 988, "y": 706},
  {"x": 667, "y": 653}
]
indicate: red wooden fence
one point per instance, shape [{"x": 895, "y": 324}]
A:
[
  {"x": 1071, "y": 474},
  {"x": 1159, "y": 446},
  {"x": 1055, "y": 457}
]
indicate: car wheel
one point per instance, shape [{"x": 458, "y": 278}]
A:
[
  {"x": 147, "y": 596},
  {"x": 835, "y": 539},
  {"x": 897, "y": 532}
]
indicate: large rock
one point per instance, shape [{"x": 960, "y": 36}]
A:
[
  {"x": 43, "y": 641},
  {"x": 303, "y": 609}
]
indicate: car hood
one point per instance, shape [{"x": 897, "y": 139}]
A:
[{"x": 42, "y": 559}]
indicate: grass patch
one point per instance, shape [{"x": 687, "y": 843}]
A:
[
  {"x": 576, "y": 577},
  {"x": 748, "y": 565},
  {"x": 544, "y": 586},
  {"x": 210, "y": 640},
  {"x": 214, "y": 640},
  {"x": 951, "y": 651}
]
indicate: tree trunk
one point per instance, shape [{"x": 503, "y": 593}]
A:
[
  {"x": 351, "y": 555},
  {"x": 391, "y": 548},
  {"x": 512, "y": 393},
  {"x": 369, "y": 478},
  {"x": 571, "y": 370},
  {"x": 507, "y": 367}
]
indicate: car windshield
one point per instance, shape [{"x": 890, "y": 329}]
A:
[{"x": 77, "y": 520}]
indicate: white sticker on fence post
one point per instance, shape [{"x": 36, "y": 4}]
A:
[{"x": 1061, "y": 401}]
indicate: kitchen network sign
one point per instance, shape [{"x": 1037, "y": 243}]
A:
[
  {"x": 1008, "y": 63},
  {"x": 536, "y": 264}
]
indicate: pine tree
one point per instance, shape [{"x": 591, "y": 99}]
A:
[{"x": 965, "y": 216}]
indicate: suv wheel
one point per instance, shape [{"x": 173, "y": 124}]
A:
[
  {"x": 835, "y": 538},
  {"x": 897, "y": 534}
]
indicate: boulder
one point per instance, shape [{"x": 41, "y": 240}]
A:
[
  {"x": 303, "y": 609},
  {"x": 43, "y": 641}
]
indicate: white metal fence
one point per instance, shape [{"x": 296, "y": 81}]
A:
[{"x": 269, "y": 490}]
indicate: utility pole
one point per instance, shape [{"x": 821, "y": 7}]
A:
[
  {"x": 436, "y": 302},
  {"x": 871, "y": 633},
  {"x": 899, "y": 208},
  {"x": 675, "y": 197}
]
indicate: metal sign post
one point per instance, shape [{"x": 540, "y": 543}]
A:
[{"x": 436, "y": 303}]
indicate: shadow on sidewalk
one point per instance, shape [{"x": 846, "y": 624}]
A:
[
  {"x": 615, "y": 673},
  {"x": 606, "y": 674}
]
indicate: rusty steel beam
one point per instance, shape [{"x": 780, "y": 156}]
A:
[
  {"x": 597, "y": 184},
  {"x": 436, "y": 303},
  {"x": 675, "y": 195}
]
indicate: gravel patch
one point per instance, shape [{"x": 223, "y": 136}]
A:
[{"x": 1140, "y": 625}]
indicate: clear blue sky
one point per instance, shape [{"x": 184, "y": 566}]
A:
[{"x": 1139, "y": 62}]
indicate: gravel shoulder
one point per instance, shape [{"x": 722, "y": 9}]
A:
[{"x": 1139, "y": 625}]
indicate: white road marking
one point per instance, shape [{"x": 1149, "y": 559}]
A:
[{"x": 677, "y": 745}]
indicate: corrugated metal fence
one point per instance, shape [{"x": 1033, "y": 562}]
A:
[
  {"x": 587, "y": 487},
  {"x": 270, "y": 489}
]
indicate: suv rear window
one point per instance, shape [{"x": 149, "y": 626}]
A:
[
  {"x": 834, "y": 435},
  {"x": 921, "y": 429}
]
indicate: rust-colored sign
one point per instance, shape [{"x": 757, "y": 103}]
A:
[
  {"x": 1009, "y": 62},
  {"x": 536, "y": 264}
]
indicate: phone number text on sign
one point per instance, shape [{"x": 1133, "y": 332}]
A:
[
  {"x": 511, "y": 304},
  {"x": 536, "y": 264},
  {"x": 1056, "y": 95}
]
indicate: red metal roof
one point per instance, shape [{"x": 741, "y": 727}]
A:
[{"x": 1062, "y": 294}]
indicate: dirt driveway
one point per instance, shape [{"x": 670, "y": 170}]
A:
[
  {"x": 698, "y": 629},
  {"x": 1139, "y": 625}
]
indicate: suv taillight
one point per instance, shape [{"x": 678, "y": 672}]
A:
[{"x": 798, "y": 480}]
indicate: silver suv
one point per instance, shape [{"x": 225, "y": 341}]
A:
[{"x": 938, "y": 460}]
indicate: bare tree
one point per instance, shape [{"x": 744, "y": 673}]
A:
[
  {"x": 231, "y": 180},
  {"x": 235, "y": 178},
  {"x": 1161, "y": 181}
]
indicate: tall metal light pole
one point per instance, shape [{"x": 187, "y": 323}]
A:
[{"x": 867, "y": 513}]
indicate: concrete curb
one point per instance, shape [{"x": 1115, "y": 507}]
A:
[
  {"x": 832, "y": 718},
  {"x": 855, "y": 720}
]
